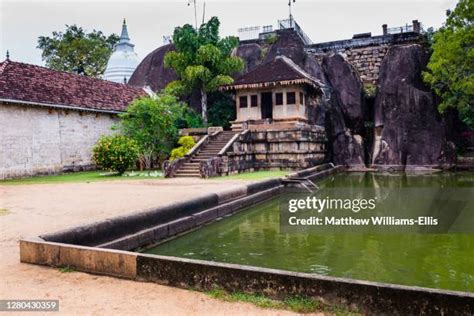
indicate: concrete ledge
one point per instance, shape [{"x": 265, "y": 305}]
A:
[
  {"x": 262, "y": 185},
  {"x": 101, "y": 261},
  {"x": 154, "y": 235},
  {"x": 111, "y": 229},
  {"x": 370, "y": 297},
  {"x": 310, "y": 171}
]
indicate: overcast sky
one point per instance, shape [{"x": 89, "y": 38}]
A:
[{"x": 22, "y": 22}]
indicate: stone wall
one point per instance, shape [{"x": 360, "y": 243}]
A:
[
  {"x": 40, "y": 140},
  {"x": 365, "y": 54},
  {"x": 294, "y": 148}
]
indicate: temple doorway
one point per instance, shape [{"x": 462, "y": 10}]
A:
[{"x": 266, "y": 105}]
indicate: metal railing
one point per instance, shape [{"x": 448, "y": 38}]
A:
[
  {"x": 400, "y": 29},
  {"x": 248, "y": 33},
  {"x": 292, "y": 24}
]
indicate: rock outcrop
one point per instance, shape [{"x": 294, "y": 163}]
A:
[
  {"x": 152, "y": 72},
  {"x": 348, "y": 90},
  {"x": 251, "y": 53},
  {"x": 408, "y": 127},
  {"x": 342, "y": 110}
]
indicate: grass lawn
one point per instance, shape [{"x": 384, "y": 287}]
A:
[
  {"x": 296, "y": 304},
  {"x": 86, "y": 176},
  {"x": 256, "y": 175}
]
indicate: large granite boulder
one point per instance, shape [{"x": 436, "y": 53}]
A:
[
  {"x": 408, "y": 127},
  {"x": 152, "y": 72},
  {"x": 251, "y": 53},
  {"x": 348, "y": 90},
  {"x": 341, "y": 110},
  {"x": 345, "y": 147}
]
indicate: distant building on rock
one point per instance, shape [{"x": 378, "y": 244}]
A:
[{"x": 123, "y": 61}]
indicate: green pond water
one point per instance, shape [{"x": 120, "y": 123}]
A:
[{"x": 254, "y": 237}]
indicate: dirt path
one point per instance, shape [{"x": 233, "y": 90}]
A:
[{"x": 36, "y": 209}]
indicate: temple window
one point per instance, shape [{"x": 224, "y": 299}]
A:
[
  {"x": 279, "y": 98},
  {"x": 301, "y": 98},
  {"x": 243, "y": 101},
  {"x": 254, "y": 100},
  {"x": 290, "y": 98}
]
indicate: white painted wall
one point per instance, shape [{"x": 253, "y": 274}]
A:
[
  {"x": 284, "y": 111},
  {"x": 40, "y": 140}
]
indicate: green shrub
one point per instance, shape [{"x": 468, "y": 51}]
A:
[
  {"x": 189, "y": 119},
  {"x": 115, "y": 153},
  {"x": 186, "y": 142},
  {"x": 152, "y": 123},
  {"x": 370, "y": 90},
  {"x": 271, "y": 39},
  {"x": 221, "y": 110}
]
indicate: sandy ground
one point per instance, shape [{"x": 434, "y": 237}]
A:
[{"x": 38, "y": 209}]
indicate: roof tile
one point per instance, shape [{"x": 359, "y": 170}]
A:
[{"x": 35, "y": 84}]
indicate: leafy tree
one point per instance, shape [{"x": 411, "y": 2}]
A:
[
  {"x": 451, "y": 67},
  {"x": 151, "y": 122},
  {"x": 190, "y": 119},
  {"x": 202, "y": 60},
  {"x": 222, "y": 110},
  {"x": 77, "y": 51},
  {"x": 115, "y": 153}
]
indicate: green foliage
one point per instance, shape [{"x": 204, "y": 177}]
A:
[
  {"x": 370, "y": 90},
  {"x": 202, "y": 60},
  {"x": 190, "y": 119},
  {"x": 66, "y": 269},
  {"x": 264, "y": 52},
  {"x": 186, "y": 142},
  {"x": 298, "y": 304},
  {"x": 115, "y": 153},
  {"x": 271, "y": 39},
  {"x": 451, "y": 67},
  {"x": 152, "y": 123},
  {"x": 221, "y": 110},
  {"x": 77, "y": 51}
]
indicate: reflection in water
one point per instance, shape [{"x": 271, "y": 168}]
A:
[{"x": 253, "y": 237}]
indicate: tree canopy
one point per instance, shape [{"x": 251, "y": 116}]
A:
[
  {"x": 152, "y": 123},
  {"x": 450, "y": 70},
  {"x": 77, "y": 51},
  {"x": 202, "y": 60}
]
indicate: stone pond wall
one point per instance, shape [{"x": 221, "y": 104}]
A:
[
  {"x": 40, "y": 140},
  {"x": 290, "y": 149}
]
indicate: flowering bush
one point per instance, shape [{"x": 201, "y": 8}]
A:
[
  {"x": 115, "y": 153},
  {"x": 186, "y": 142}
]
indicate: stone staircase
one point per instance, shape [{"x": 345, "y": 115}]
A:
[
  {"x": 466, "y": 161},
  {"x": 209, "y": 150}
]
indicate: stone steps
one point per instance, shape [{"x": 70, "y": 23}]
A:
[{"x": 191, "y": 168}]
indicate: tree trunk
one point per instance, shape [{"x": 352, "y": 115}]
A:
[{"x": 204, "y": 106}]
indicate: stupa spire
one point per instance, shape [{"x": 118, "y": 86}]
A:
[
  {"x": 123, "y": 60},
  {"x": 124, "y": 35}
]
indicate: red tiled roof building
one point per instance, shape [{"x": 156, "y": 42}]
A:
[{"x": 49, "y": 120}]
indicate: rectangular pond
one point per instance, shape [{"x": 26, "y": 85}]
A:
[{"x": 435, "y": 260}]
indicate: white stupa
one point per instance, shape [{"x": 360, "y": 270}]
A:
[{"x": 123, "y": 61}]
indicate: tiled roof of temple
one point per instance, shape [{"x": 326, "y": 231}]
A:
[
  {"x": 279, "y": 71},
  {"x": 35, "y": 85}
]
